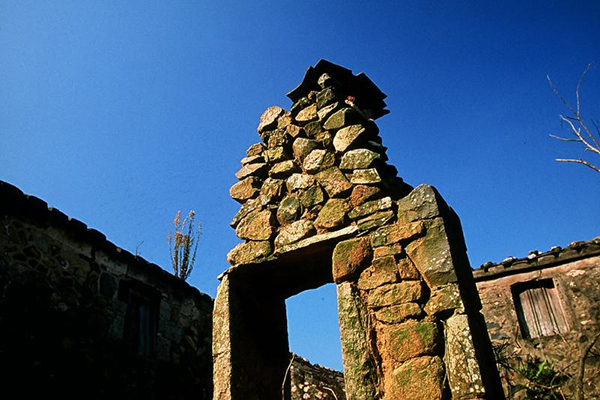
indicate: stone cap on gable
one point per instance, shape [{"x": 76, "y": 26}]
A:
[
  {"x": 16, "y": 203},
  {"x": 359, "y": 86},
  {"x": 535, "y": 260}
]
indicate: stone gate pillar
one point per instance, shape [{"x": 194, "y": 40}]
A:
[{"x": 320, "y": 204}]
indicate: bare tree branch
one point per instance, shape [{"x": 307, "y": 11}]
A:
[{"x": 587, "y": 164}]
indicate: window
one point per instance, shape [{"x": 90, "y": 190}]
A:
[
  {"x": 539, "y": 310},
  {"x": 142, "y": 316}
]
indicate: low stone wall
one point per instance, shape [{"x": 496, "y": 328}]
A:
[
  {"x": 81, "y": 318},
  {"x": 314, "y": 382}
]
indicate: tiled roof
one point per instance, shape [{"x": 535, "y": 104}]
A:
[{"x": 539, "y": 260}]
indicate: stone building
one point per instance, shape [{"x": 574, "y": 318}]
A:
[
  {"x": 81, "y": 318},
  {"x": 545, "y": 306}
]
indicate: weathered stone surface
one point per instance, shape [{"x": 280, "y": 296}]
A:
[
  {"x": 312, "y": 196},
  {"x": 421, "y": 203},
  {"x": 408, "y": 340},
  {"x": 299, "y": 181},
  {"x": 375, "y": 220},
  {"x": 325, "y": 112},
  {"x": 332, "y": 214},
  {"x": 268, "y": 119},
  {"x": 358, "y": 159},
  {"x": 302, "y": 147},
  {"x": 320, "y": 238},
  {"x": 334, "y": 182},
  {"x": 359, "y": 365},
  {"x": 275, "y": 155},
  {"x": 395, "y": 294},
  {"x": 258, "y": 169},
  {"x": 247, "y": 208},
  {"x": 307, "y": 114},
  {"x": 464, "y": 374},
  {"x": 362, "y": 193},
  {"x": 258, "y": 225},
  {"x": 369, "y": 176},
  {"x": 300, "y": 104},
  {"x": 382, "y": 271},
  {"x": 246, "y": 189},
  {"x": 344, "y": 117},
  {"x": 252, "y": 160},
  {"x": 431, "y": 255},
  {"x": 293, "y": 130},
  {"x": 283, "y": 169},
  {"x": 400, "y": 313},
  {"x": 284, "y": 120},
  {"x": 324, "y": 139},
  {"x": 289, "y": 210},
  {"x": 397, "y": 232},
  {"x": 444, "y": 299},
  {"x": 318, "y": 160},
  {"x": 325, "y": 97},
  {"x": 407, "y": 270},
  {"x": 312, "y": 129},
  {"x": 350, "y": 257},
  {"x": 387, "y": 250},
  {"x": 249, "y": 252},
  {"x": 272, "y": 189},
  {"x": 294, "y": 232},
  {"x": 371, "y": 207},
  {"x": 421, "y": 378},
  {"x": 347, "y": 136},
  {"x": 277, "y": 138},
  {"x": 255, "y": 150}
]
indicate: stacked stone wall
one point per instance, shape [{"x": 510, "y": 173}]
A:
[
  {"x": 317, "y": 190},
  {"x": 69, "y": 314}
]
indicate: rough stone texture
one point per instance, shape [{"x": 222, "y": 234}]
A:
[
  {"x": 308, "y": 114},
  {"x": 344, "y": 117},
  {"x": 399, "y": 313},
  {"x": 255, "y": 150},
  {"x": 432, "y": 256},
  {"x": 395, "y": 293},
  {"x": 362, "y": 193},
  {"x": 375, "y": 220},
  {"x": 299, "y": 181},
  {"x": 268, "y": 119},
  {"x": 358, "y": 159},
  {"x": 249, "y": 252},
  {"x": 381, "y": 272},
  {"x": 396, "y": 233},
  {"x": 462, "y": 366},
  {"x": 334, "y": 182},
  {"x": 418, "y": 379},
  {"x": 408, "y": 340},
  {"x": 445, "y": 299},
  {"x": 369, "y": 176},
  {"x": 350, "y": 257},
  {"x": 318, "y": 160},
  {"x": 294, "y": 232},
  {"x": 332, "y": 214},
  {"x": 420, "y": 204},
  {"x": 275, "y": 155},
  {"x": 272, "y": 189},
  {"x": 371, "y": 207},
  {"x": 283, "y": 169},
  {"x": 312, "y": 196},
  {"x": 69, "y": 314},
  {"x": 246, "y": 189},
  {"x": 407, "y": 270},
  {"x": 302, "y": 147},
  {"x": 314, "y": 382},
  {"x": 347, "y": 136},
  {"x": 359, "y": 366},
  {"x": 289, "y": 210},
  {"x": 258, "y": 225},
  {"x": 257, "y": 169},
  {"x": 325, "y": 112}
]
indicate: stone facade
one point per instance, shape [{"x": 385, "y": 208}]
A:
[
  {"x": 81, "y": 318},
  {"x": 545, "y": 306},
  {"x": 314, "y": 382},
  {"x": 320, "y": 204}
]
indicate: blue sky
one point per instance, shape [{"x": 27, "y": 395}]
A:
[{"x": 121, "y": 113}]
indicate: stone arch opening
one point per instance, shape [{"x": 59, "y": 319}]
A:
[{"x": 319, "y": 205}]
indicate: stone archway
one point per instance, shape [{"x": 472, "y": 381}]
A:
[{"x": 320, "y": 204}]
